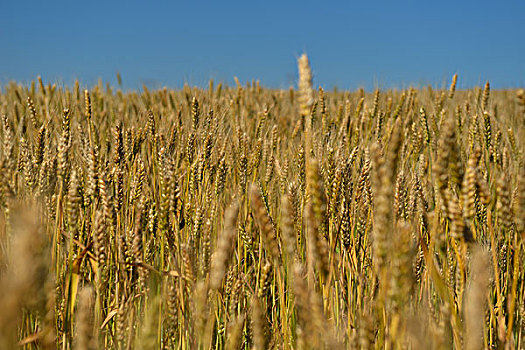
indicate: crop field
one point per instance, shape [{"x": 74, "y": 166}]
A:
[{"x": 243, "y": 217}]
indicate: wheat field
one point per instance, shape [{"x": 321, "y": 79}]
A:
[{"x": 244, "y": 217}]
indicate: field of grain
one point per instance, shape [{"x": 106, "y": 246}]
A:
[{"x": 244, "y": 217}]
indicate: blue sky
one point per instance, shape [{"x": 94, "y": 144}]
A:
[{"x": 350, "y": 44}]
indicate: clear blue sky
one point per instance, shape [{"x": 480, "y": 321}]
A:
[{"x": 350, "y": 43}]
